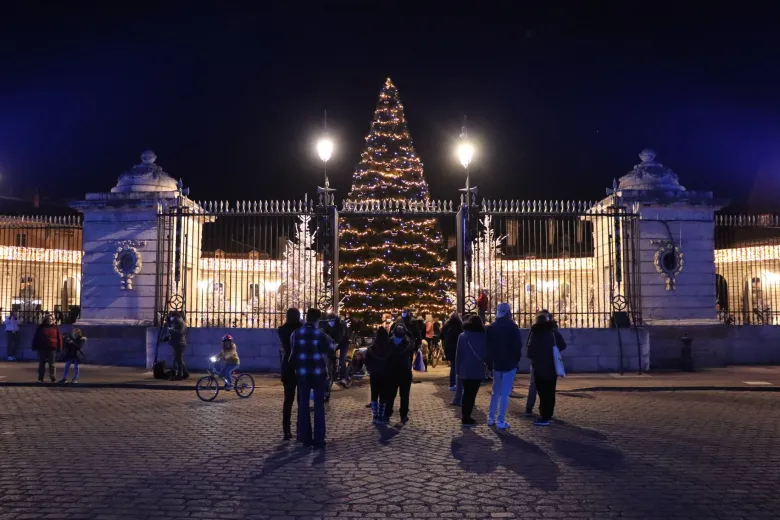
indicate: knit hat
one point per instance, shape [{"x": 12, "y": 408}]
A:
[{"x": 502, "y": 310}]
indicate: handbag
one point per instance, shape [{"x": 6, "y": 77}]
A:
[
  {"x": 419, "y": 365},
  {"x": 559, "y": 368}
]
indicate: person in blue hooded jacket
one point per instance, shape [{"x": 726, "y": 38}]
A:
[{"x": 504, "y": 348}]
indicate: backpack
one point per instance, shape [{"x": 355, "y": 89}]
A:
[{"x": 158, "y": 369}]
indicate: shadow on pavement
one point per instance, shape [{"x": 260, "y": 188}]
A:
[
  {"x": 528, "y": 461},
  {"x": 477, "y": 454}
]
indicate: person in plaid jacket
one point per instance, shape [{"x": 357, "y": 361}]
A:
[{"x": 309, "y": 351}]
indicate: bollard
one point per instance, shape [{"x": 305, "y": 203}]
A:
[{"x": 686, "y": 354}]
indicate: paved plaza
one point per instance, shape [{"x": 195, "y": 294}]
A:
[{"x": 82, "y": 453}]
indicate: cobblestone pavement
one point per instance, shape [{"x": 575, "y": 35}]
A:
[{"x": 136, "y": 454}]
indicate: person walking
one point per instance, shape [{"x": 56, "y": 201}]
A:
[
  {"x": 310, "y": 349},
  {"x": 377, "y": 357},
  {"x": 504, "y": 348},
  {"x": 178, "y": 340},
  {"x": 11, "y": 336},
  {"x": 449, "y": 334},
  {"x": 72, "y": 344},
  {"x": 399, "y": 371},
  {"x": 47, "y": 341},
  {"x": 544, "y": 336},
  {"x": 289, "y": 379},
  {"x": 471, "y": 359}
]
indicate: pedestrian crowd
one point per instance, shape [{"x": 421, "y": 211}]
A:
[{"x": 476, "y": 353}]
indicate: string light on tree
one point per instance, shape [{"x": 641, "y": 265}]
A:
[{"x": 386, "y": 263}]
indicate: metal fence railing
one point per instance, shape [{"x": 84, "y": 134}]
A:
[
  {"x": 747, "y": 266},
  {"x": 40, "y": 267},
  {"x": 573, "y": 259},
  {"x": 238, "y": 265}
]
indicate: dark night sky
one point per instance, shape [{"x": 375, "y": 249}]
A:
[{"x": 559, "y": 102}]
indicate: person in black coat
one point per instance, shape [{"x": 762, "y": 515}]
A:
[
  {"x": 337, "y": 330},
  {"x": 399, "y": 371},
  {"x": 449, "y": 334},
  {"x": 177, "y": 329},
  {"x": 289, "y": 380},
  {"x": 378, "y": 365},
  {"x": 544, "y": 336}
]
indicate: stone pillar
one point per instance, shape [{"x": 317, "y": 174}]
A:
[
  {"x": 673, "y": 248},
  {"x": 124, "y": 240}
]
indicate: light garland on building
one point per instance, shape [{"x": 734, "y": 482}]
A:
[
  {"x": 748, "y": 254},
  {"x": 38, "y": 254}
]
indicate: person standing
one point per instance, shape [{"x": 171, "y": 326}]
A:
[
  {"x": 449, "y": 334},
  {"x": 11, "y": 336},
  {"x": 544, "y": 336},
  {"x": 337, "y": 330},
  {"x": 505, "y": 348},
  {"x": 430, "y": 338},
  {"x": 178, "y": 340},
  {"x": 47, "y": 341},
  {"x": 377, "y": 357},
  {"x": 483, "y": 302},
  {"x": 399, "y": 371},
  {"x": 310, "y": 349},
  {"x": 411, "y": 327},
  {"x": 289, "y": 379},
  {"x": 471, "y": 360},
  {"x": 72, "y": 344}
]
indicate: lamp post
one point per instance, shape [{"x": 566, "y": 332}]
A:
[
  {"x": 325, "y": 150},
  {"x": 465, "y": 154},
  {"x": 467, "y": 217}
]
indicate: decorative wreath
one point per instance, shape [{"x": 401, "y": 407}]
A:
[
  {"x": 669, "y": 262},
  {"x": 128, "y": 261}
]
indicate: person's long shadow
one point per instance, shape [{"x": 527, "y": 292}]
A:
[
  {"x": 474, "y": 453},
  {"x": 568, "y": 440},
  {"x": 528, "y": 461},
  {"x": 284, "y": 455}
]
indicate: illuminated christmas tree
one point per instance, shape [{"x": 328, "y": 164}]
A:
[{"x": 391, "y": 263}]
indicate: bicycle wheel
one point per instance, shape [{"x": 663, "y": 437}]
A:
[
  {"x": 244, "y": 385},
  {"x": 207, "y": 388},
  {"x": 434, "y": 358},
  {"x": 348, "y": 373}
]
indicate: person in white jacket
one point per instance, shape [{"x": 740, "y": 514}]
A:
[{"x": 11, "y": 336}]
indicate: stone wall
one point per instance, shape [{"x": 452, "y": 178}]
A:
[
  {"x": 257, "y": 348},
  {"x": 715, "y": 345},
  {"x": 598, "y": 350}
]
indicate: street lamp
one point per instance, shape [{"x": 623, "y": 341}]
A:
[
  {"x": 465, "y": 154},
  {"x": 325, "y": 151}
]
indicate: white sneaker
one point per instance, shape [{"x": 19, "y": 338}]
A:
[
  {"x": 503, "y": 425},
  {"x": 491, "y": 421},
  {"x": 10, "y": 358}
]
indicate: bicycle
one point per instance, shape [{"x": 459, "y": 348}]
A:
[
  {"x": 435, "y": 354},
  {"x": 207, "y": 387}
]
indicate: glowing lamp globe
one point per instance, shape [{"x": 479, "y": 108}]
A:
[
  {"x": 465, "y": 153},
  {"x": 325, "y": 149}
]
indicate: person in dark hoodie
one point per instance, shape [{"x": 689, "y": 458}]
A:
[
  {"x": 544, "y": 336},
  {"x": 377, "y": 363},
  {"x": 289, "y": 380},
  {"x": 337, "y": 330},
  {"x": 399, "y": 371},
  {"x": 449, "y": 334},
  {"x": 411, "y": 327},
  {"x": 470, "y": 360},
  {"x": 505, "y": 348},
  {"x": 178, "y": 340}
]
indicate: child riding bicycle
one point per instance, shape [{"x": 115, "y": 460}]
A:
[{"x": 230, "y": 361}]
